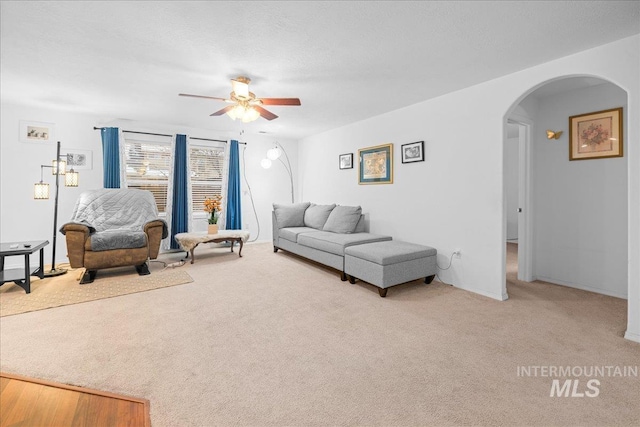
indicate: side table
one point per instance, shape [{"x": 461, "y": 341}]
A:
[{"x": 20, "y": 276}]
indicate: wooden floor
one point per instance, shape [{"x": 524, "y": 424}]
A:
[{"x": 28, "y": 402}]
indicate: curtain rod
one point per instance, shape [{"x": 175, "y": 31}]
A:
[{"x": 170, "y": 136}]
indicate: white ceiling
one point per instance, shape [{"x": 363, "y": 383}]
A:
[{"x": 346, "y": 61}]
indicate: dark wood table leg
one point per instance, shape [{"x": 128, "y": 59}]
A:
[
  {"x": 240, "y": 250},
  {"x": 193, "y": 258},
  {"x": 232, "y": 242},
  {"x": 41, "y": 271},
  {"x": 27, "y": 274}
]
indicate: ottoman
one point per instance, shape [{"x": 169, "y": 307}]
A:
[{"x": 390, "y": 263}]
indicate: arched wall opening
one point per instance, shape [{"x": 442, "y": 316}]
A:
[{"x": 575, "y": 214}]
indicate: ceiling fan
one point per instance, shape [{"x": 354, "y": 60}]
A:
[{"x": 245, "y": 104}]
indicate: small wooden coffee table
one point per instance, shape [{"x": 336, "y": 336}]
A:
[{"x": 189, "y": 241}]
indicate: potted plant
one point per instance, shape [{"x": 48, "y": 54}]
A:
[{"x": 213, "y": 205}]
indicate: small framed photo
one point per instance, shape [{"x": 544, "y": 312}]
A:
[
  {"x": 413, "y": 152},
  {"x": 596, "y": 135},
  {"x": 376, "y": 165},
  {"x": 78, "y": 159},
  {"x": 37, "y": 132},
  {"x": 346, "y": 161}
]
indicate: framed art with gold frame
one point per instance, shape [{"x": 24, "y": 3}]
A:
[
  {"x": 376, "y": 165},
  {"x": 596, "y": 135}
]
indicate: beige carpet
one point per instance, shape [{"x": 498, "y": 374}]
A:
[
  {"x": 66, "y": 289},
  {"x": 271, "y": 340}
]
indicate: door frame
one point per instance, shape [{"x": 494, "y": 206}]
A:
[{"x": 525, "y": 197}]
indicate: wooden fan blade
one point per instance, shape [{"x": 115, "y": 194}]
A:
[
  {"x": 224, "y": 110},
  {"x": 280, "y": 101},
  {"x": 202, "y": 96},
  {"x": 265, "y": 113}
]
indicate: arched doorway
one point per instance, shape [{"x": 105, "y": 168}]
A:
[{"x": 573, "y": 223}]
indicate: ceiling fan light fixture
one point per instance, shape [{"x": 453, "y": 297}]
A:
[
  {"x": 250, "y": 115},
  {"x": 237, "y": 112},
  {"x": 241, "y": 87},
  {"x": 245, "y": 105}
]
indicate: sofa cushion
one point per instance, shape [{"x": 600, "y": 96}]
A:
[
  {"x": 118, "y": 239},
  {"x": 343, "y": 219},
  {"x": 291, "y": 233},
  {"x": 335, "y": 242},
  {"x": 290, "y": 215},
  {"x": 316, "y": 215},
  {"x": 386, "y": 253}
]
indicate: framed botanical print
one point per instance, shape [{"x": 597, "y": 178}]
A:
[
  {"x": 596, "y": 135},
  {"x": 376, "y": 165}
]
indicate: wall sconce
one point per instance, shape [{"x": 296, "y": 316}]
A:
[
  {"x": 275, "y": 153},
  {"x": 553, "y": 135},
  {"x": 41, "y": 192}
]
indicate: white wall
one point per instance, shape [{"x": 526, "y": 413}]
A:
[
  {"x": 580, "y": 209},
  {"x": 455, "y": 199},
  {"x": 23, "y": 218}
]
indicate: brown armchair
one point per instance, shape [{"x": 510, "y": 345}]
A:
[{"x": 113, "y": 228}]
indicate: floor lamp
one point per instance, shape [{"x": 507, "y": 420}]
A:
[
  {"x": 41, "y": 192},
  {"x": 275, "y": 153}
]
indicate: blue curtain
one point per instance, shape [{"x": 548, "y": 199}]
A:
[
  {"x": 111, "y": 157},
  {"x": 234, "y": 196},
  {"x": 180, "y": 208}
]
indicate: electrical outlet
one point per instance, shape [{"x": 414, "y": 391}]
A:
[{"x": 457, "y": 253}]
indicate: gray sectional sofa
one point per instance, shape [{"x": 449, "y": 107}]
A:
[
  {"x": 336, "y": 236},
  {"x": 320, "y": 232}
]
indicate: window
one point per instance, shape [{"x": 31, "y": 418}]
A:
[
  {"x": 148, "y": 164},
  {"x": 206, "y": 165}
]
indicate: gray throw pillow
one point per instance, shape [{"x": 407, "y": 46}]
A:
[
  {"x": 316, "y": 215},
  {"x": 343, "y": 219},
  {"x": 290, "y": 215}
]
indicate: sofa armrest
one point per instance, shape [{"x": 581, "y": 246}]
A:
[
  {"x": 275, "y": 232},
  {"x": 76, "y": 235},
  {"x": 156, "y": 231}
]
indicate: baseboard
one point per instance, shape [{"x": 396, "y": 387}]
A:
[
  {"x": 632, "y": 337},
  {"x": 497, "y": 296},
  {"x": 581, "y": 287}
]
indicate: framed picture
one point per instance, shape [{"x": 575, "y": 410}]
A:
[
  {"x": 78, "y": 159},
  {"x": 36, "y": 132},
  {"x": 596, "y": 135},
  {"x": 413, "y": 152},
  {"x": 376, "y": 165},
  {"x": 346, "y": 161}
]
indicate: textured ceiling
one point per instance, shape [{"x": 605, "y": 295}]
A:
[{"x": 346, "y": 61}]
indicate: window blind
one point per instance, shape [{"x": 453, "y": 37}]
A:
[
  {"x": 206, "y": 164},
  {"x": 148, "y": 165}
]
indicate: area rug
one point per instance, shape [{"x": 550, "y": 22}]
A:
[{"x": 66, "y": 289}]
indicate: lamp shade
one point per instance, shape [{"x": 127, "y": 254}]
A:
[
  {"x": 41, "y": 191},
  {"x": 273, "y": 153},
  {"x": 265, "y": 163},
  {"x": 59, "y": 164},
  {"x": 71, "y": 178},
  {"x": 250, "y": 115}
]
